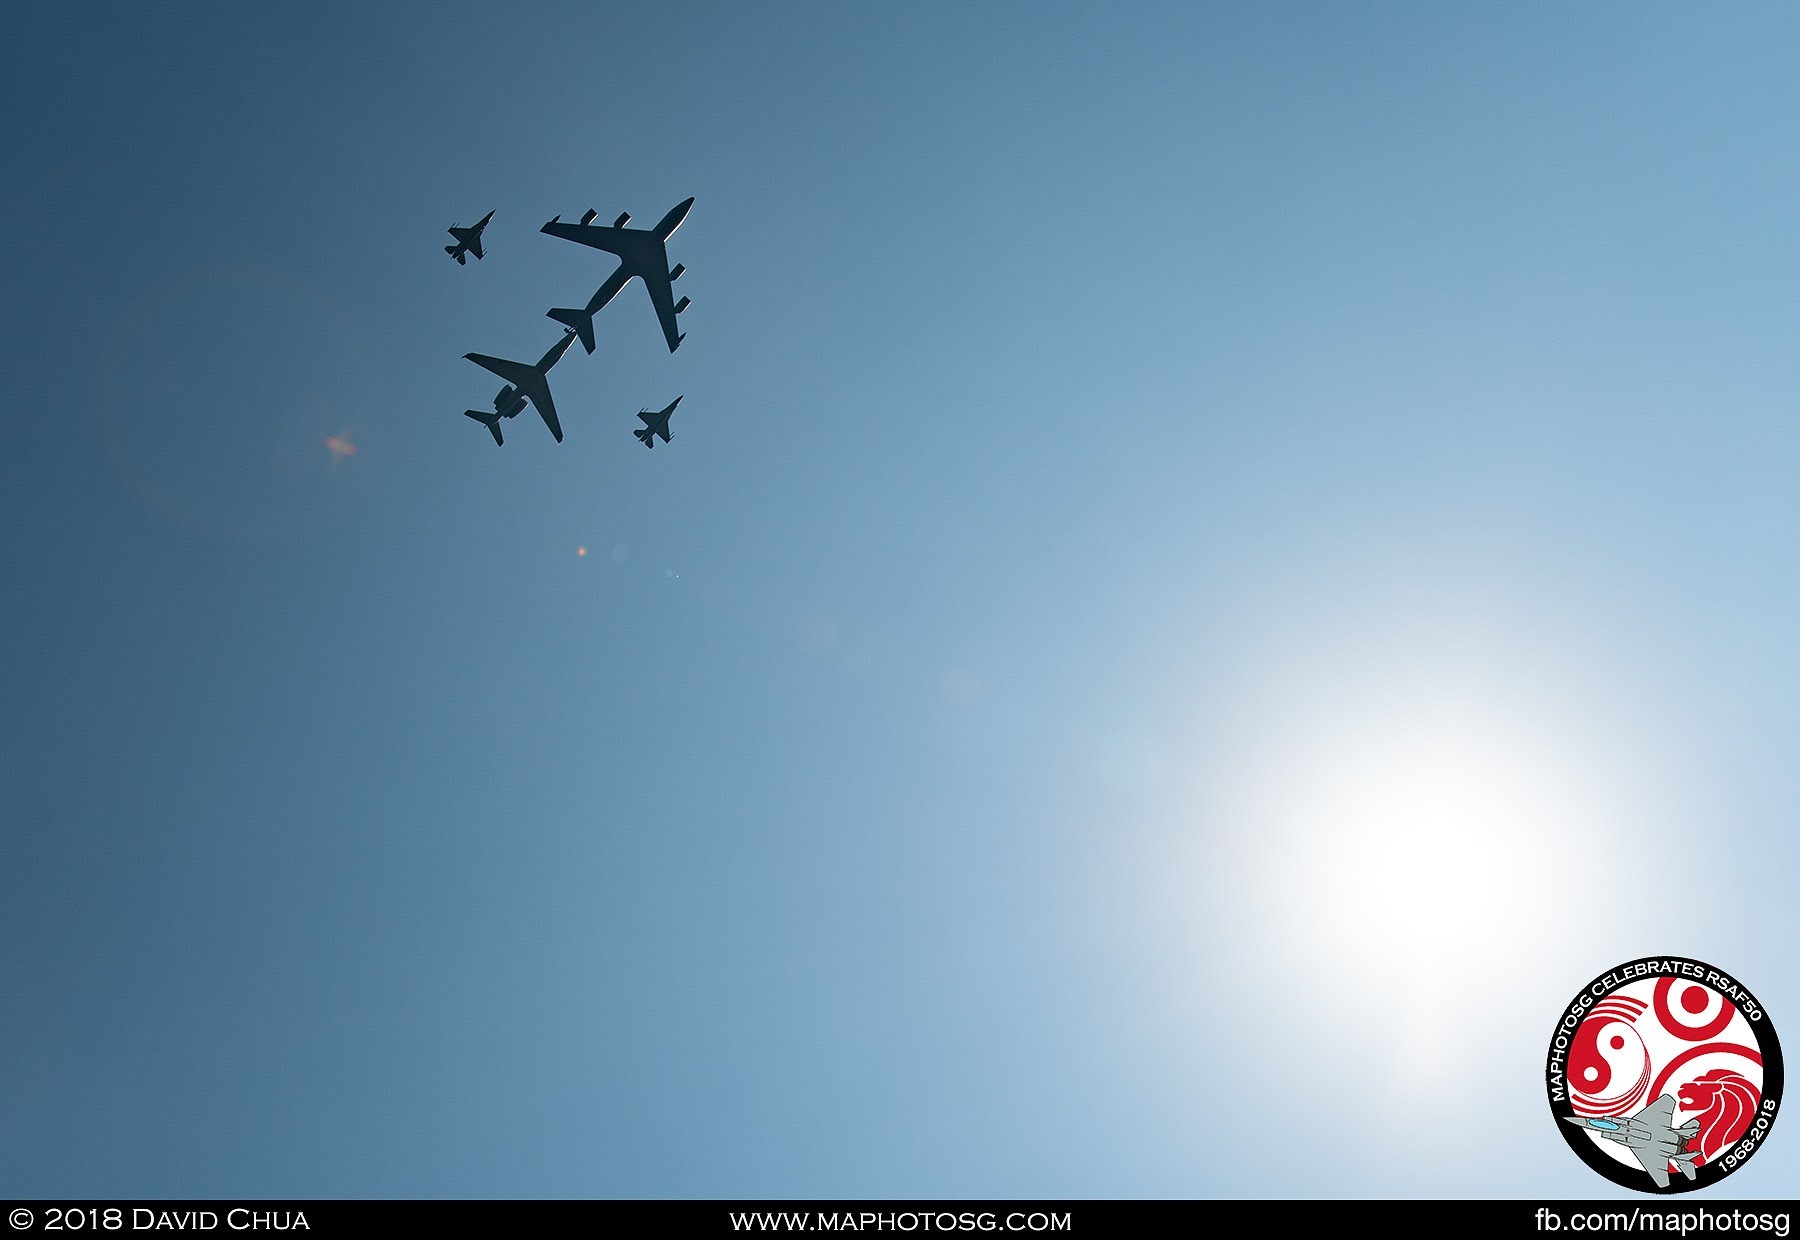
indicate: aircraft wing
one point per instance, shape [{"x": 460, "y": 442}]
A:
[
  {"x": 662, "y": 296},
  {"x": 539, "y": 392},
  {"x": 1654, "y": 1157},
  {"x": 598, "y": 236},
  {"x": 1656, "y": 1164},
  {"x": 516, "y": 373},
  {"x": 475, "y": 245}
]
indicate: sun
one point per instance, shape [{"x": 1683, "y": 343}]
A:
[
  {"x": 1414, "y": 844},
  {"x": 1412, "y": 836}
]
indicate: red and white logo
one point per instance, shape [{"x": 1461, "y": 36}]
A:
[{"x": 1664, "y": 1074}]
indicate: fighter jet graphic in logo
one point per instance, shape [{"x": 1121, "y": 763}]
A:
[{"x": 1650, "y": 1138}]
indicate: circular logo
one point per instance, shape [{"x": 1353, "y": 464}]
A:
[{"x": 1664, "y": 1074}]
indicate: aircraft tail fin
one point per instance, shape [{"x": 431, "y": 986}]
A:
[
  {"x": 580, "y": 321},
  {"x": 456, "y": 253},
  {"x": 489, "y": 420},
  {"x": 646, "y": 436}
]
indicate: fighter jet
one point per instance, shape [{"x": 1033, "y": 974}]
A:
[
  {"x": 642, "y": 253},
  {"x": 467, "y": 240},
  {"x": 655, "y": 424},
  {"x": 523, "y": 382},
  {"x": 1649, "y": 1138}
]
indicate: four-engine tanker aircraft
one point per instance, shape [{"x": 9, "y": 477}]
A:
[
  {"x": 468, "y": 241},
  {"x": 642, "y": 253},
  {"x": 655, "y": 424},
  {"x": 524, "y": 382}
]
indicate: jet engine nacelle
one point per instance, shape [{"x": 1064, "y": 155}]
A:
[
  {"x": 508, "y": 401},
  {"x": 589, "y": 217},
  {"x": 624, "y": 219},
  {"x": 683, "y": 304},
  {"x": 676, "y": 274}
]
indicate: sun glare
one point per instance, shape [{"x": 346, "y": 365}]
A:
[
  {"x": 1412, "y": 832},
  {"x": 1419, "y": 845}
]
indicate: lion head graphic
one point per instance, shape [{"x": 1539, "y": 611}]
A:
[{"x": 1726, "y": 1102}]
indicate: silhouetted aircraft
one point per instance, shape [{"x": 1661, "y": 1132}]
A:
[
  {"x": 655, "y": 424},
  {"x": 524, "y": 382},
  {"x": 642, "y": 253},
  {"x": 582, "y": 321},
  {"x": 467, "y": 240}
]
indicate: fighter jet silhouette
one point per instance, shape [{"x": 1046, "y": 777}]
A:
[
  {"x": 468, "y": 240},
  {"x": 655, "y": 424},
  {"x": 1649, "y": 1138}
]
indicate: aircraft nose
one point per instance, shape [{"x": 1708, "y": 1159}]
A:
[{"x": 670, "y": 222}]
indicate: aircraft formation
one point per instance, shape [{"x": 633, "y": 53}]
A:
[{"x": 642, "y": 255}]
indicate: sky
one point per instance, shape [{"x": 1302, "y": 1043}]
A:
[{"x": 1216, "y": 565}]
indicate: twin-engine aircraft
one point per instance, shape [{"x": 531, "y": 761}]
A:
[{"x": 523, "y": 382}]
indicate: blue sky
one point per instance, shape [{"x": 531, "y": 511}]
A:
[{"x": 1216, "y": 564}]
